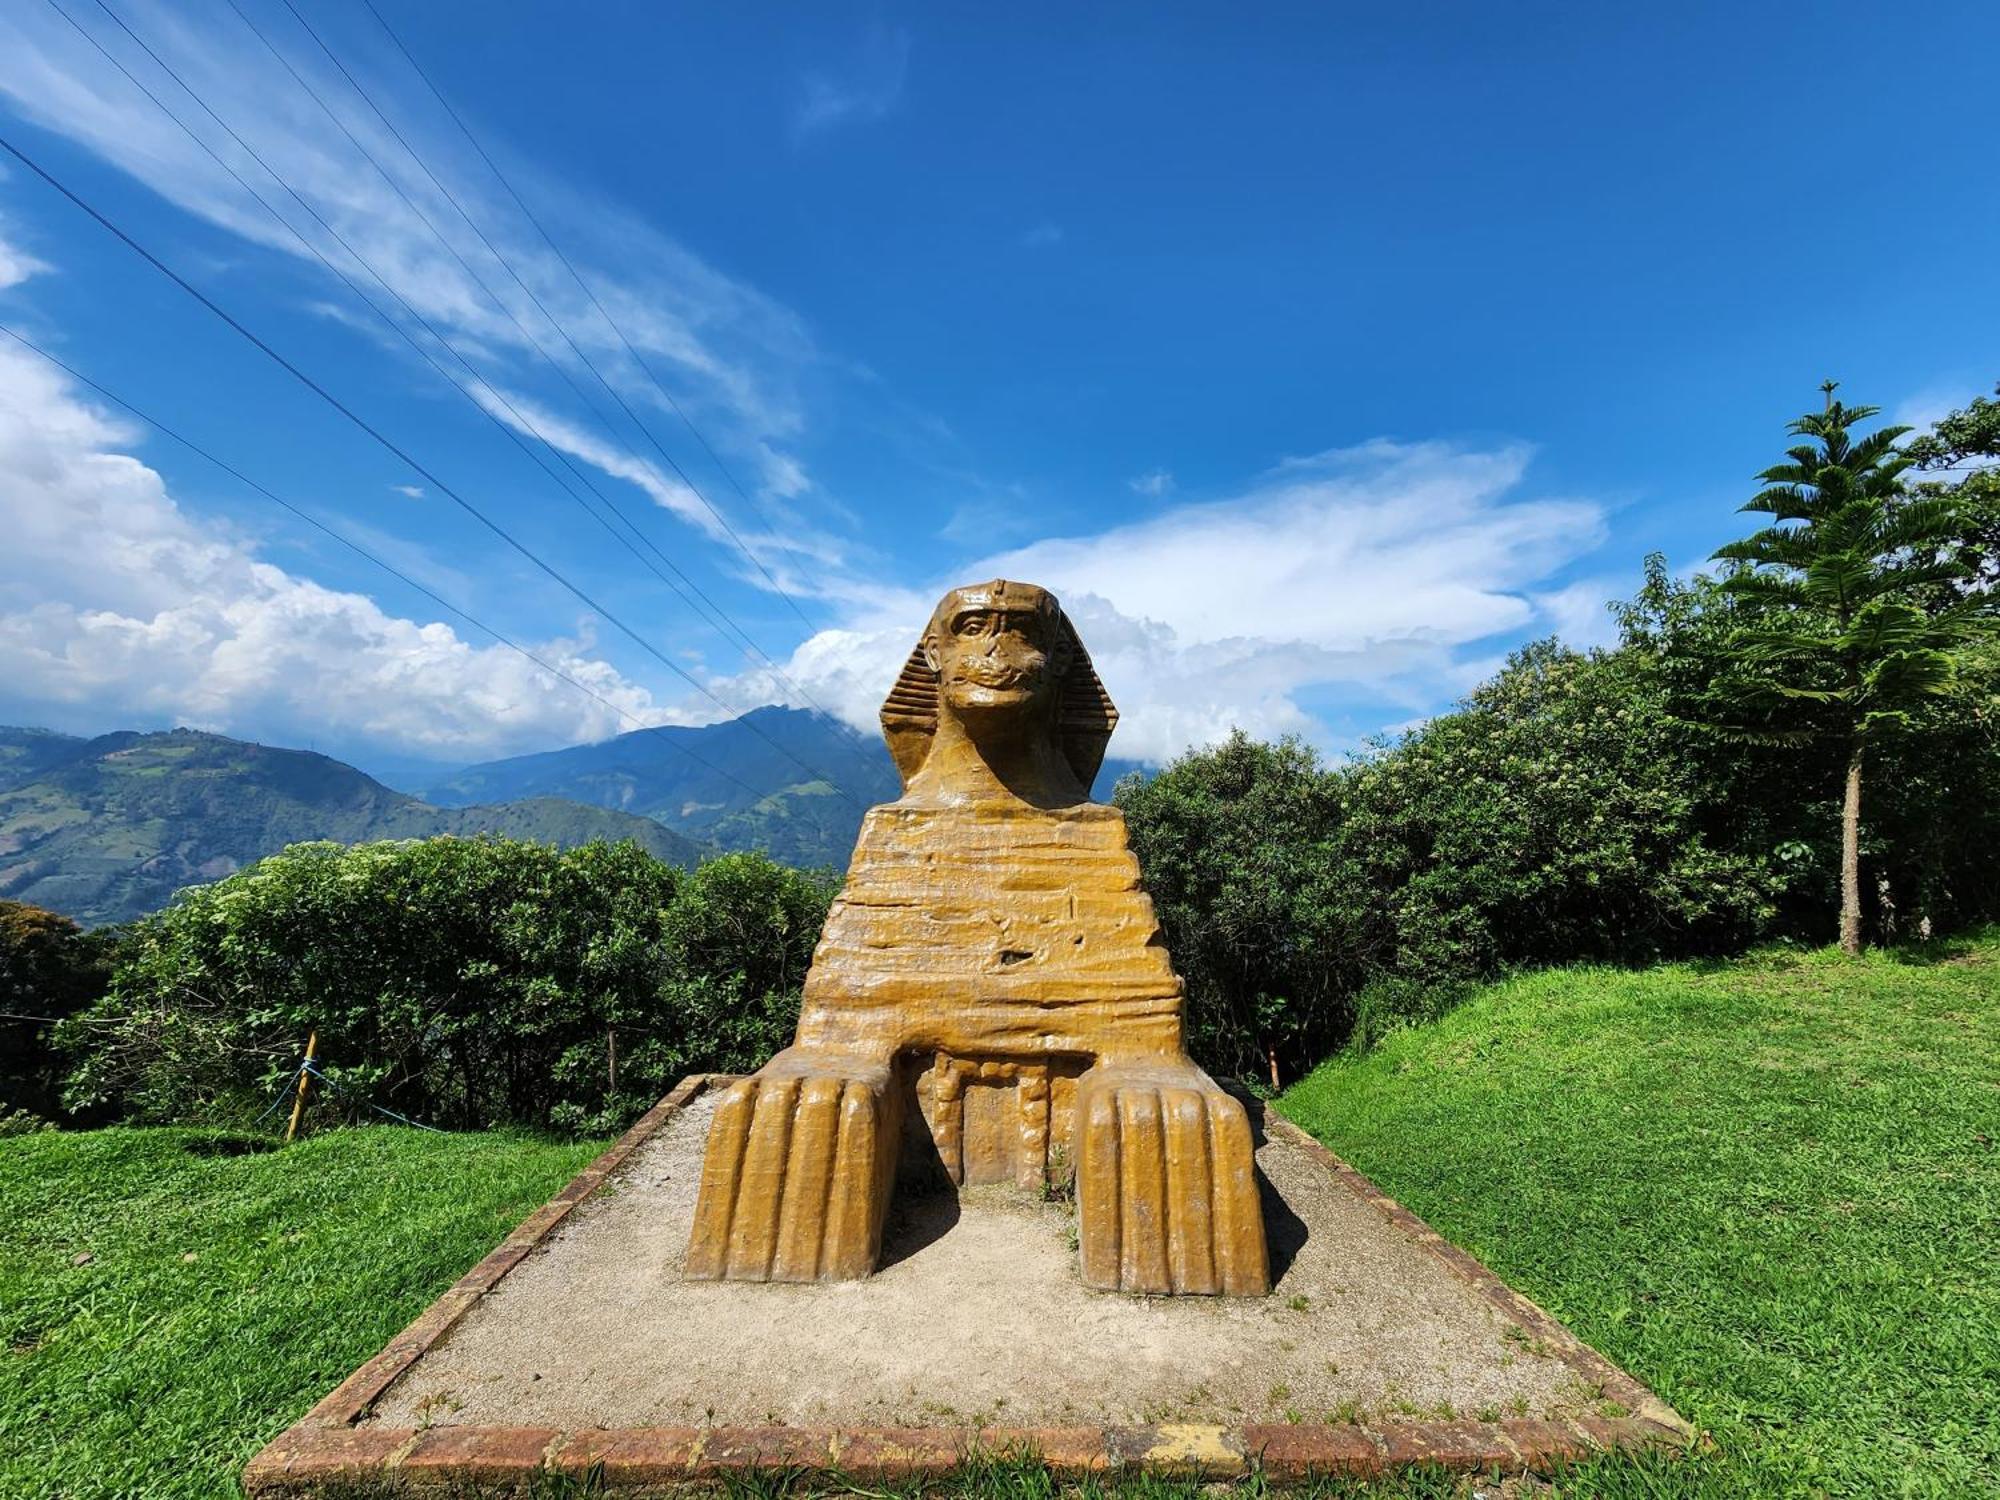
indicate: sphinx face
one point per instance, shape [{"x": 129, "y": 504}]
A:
[{"x": 998, "y": 651}]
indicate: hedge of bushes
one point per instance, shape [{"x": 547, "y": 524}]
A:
[{"x": 458, "y": 982}]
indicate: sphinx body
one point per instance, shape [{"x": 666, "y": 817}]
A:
[{"x": 990, "y": 995}]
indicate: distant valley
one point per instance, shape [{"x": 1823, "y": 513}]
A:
[
  {"x": 106, "y": 829},
  {"x": 786, "y": 781}
]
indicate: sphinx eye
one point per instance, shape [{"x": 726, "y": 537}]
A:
[{"x": 971, "y": 623}]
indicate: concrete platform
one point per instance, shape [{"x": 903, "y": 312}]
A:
[{"x": 577, "y": 1347}]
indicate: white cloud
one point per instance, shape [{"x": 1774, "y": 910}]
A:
[
  {"x": 1580, "y": 612},
  {"x": 1159, "y": 482},
  {"x": 1923, "y": 409},
  {"x": 868, "y": 88},
  {"x": 1372, "y": 567},
  {"x": 16, "y": 265},
  {"x": 409, "y": 491},
  {"x": 172, "y": 620}
]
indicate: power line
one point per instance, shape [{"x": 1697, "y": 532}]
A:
[
  {"x": 399, "y": 452},
  {"x": 575, "y": 276},
  {"x": 446, "y": 343},
  {"x": 353, "y": 546},
  {"x": 387, "y": 286},
  {"x": 743, "y": 636}
]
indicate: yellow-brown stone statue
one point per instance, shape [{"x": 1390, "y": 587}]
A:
[{"x": 991, "y": 989}]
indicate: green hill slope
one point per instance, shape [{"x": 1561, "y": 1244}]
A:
[
  {"x": 1770, "y": 1189},
  {"x": 106, "y": 829},
  {"x": 785, "y": 781}
]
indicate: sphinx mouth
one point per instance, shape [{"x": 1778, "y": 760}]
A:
[{"x": 994, "y": 675}]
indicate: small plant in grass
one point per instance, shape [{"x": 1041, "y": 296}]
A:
[
  {"x": 21, "y": 1122},
  {"x": 1059, "y": 1181}
]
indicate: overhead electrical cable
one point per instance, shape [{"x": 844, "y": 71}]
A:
[
  {"x": 507, "y": 310},
  {"x": 399, "y": 452},
  {"x": 353, "y": 546},
  {"x": 632, "y": 352},
  {"x": 724, "y": 625}
]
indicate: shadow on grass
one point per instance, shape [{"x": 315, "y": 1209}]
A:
[{"x": 227, "y": 1145}]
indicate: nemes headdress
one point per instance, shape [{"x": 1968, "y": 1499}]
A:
[{"x": 1084, "y": 717}]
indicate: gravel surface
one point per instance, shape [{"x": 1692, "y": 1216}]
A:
[{"x": 977, "y": 1316}]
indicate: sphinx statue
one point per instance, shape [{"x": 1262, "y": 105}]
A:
[{"x": 991, "y": 992}]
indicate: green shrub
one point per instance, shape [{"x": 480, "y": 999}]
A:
[
  {"x": 49, "y": 969},
  {"x": 461, "y": 982}
]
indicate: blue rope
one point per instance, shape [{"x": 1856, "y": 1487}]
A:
[
  {"x": 283, "y": 1089},
  {"x": 307, "y": 1067}
]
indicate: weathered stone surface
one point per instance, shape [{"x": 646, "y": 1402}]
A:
[{"x": 993, "y": 970}]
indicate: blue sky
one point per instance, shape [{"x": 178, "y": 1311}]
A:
[{"x": 1316, "y": 358}]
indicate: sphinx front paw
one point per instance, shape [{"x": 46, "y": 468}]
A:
[
  {"x": 796, "y": 1175},
  {"x": 1167, "y": 1186}
]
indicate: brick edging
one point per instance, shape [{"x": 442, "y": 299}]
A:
[
  {"x": 331, "y": 1446},
  {"x": 307, "y": 1459}
]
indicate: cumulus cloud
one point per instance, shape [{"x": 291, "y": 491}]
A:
[
  {"x": 176, "y": 620},
  {"x": 1380, "y": 567}
]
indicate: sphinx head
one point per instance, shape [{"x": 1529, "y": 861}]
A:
[
  {"x": 999, "y": 651},
  {"x": 998, "y": 669}
]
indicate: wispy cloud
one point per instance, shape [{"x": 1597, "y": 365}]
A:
[
  {"x": 868, "y": 87},
  {"x": 1925, "y": 408},
  {"x": 1152, "y": 485},
  {"x": 1042, "y": 236},
  {"x": 409, "y": 491},
  {"x": 16, "y": 265},
  {"x": 731, "y": 358}
]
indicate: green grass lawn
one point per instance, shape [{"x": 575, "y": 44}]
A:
[
  {"x": 1767, "y": 1188},
  {"x": 224, "y": 1294},
  {"x": 1770, "y": 1189}
]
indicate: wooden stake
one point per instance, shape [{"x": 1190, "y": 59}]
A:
[{"x": 299, "y": 1104}]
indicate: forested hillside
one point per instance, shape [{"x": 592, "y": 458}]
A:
[
  {"x": 109, "y": 828},
  {"x": 784, "y": 781}
]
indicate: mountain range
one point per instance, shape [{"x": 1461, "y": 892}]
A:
[
  {"x": 787, "y": 781},
  {"x": 108, "y": 828}
]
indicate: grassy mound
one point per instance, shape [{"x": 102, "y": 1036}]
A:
[
  {"x": 1769, "y": 1188},
  {"x": 227, "y": 1287}
]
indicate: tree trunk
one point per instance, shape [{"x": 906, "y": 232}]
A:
[{"x": 1850, "y": 853}]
